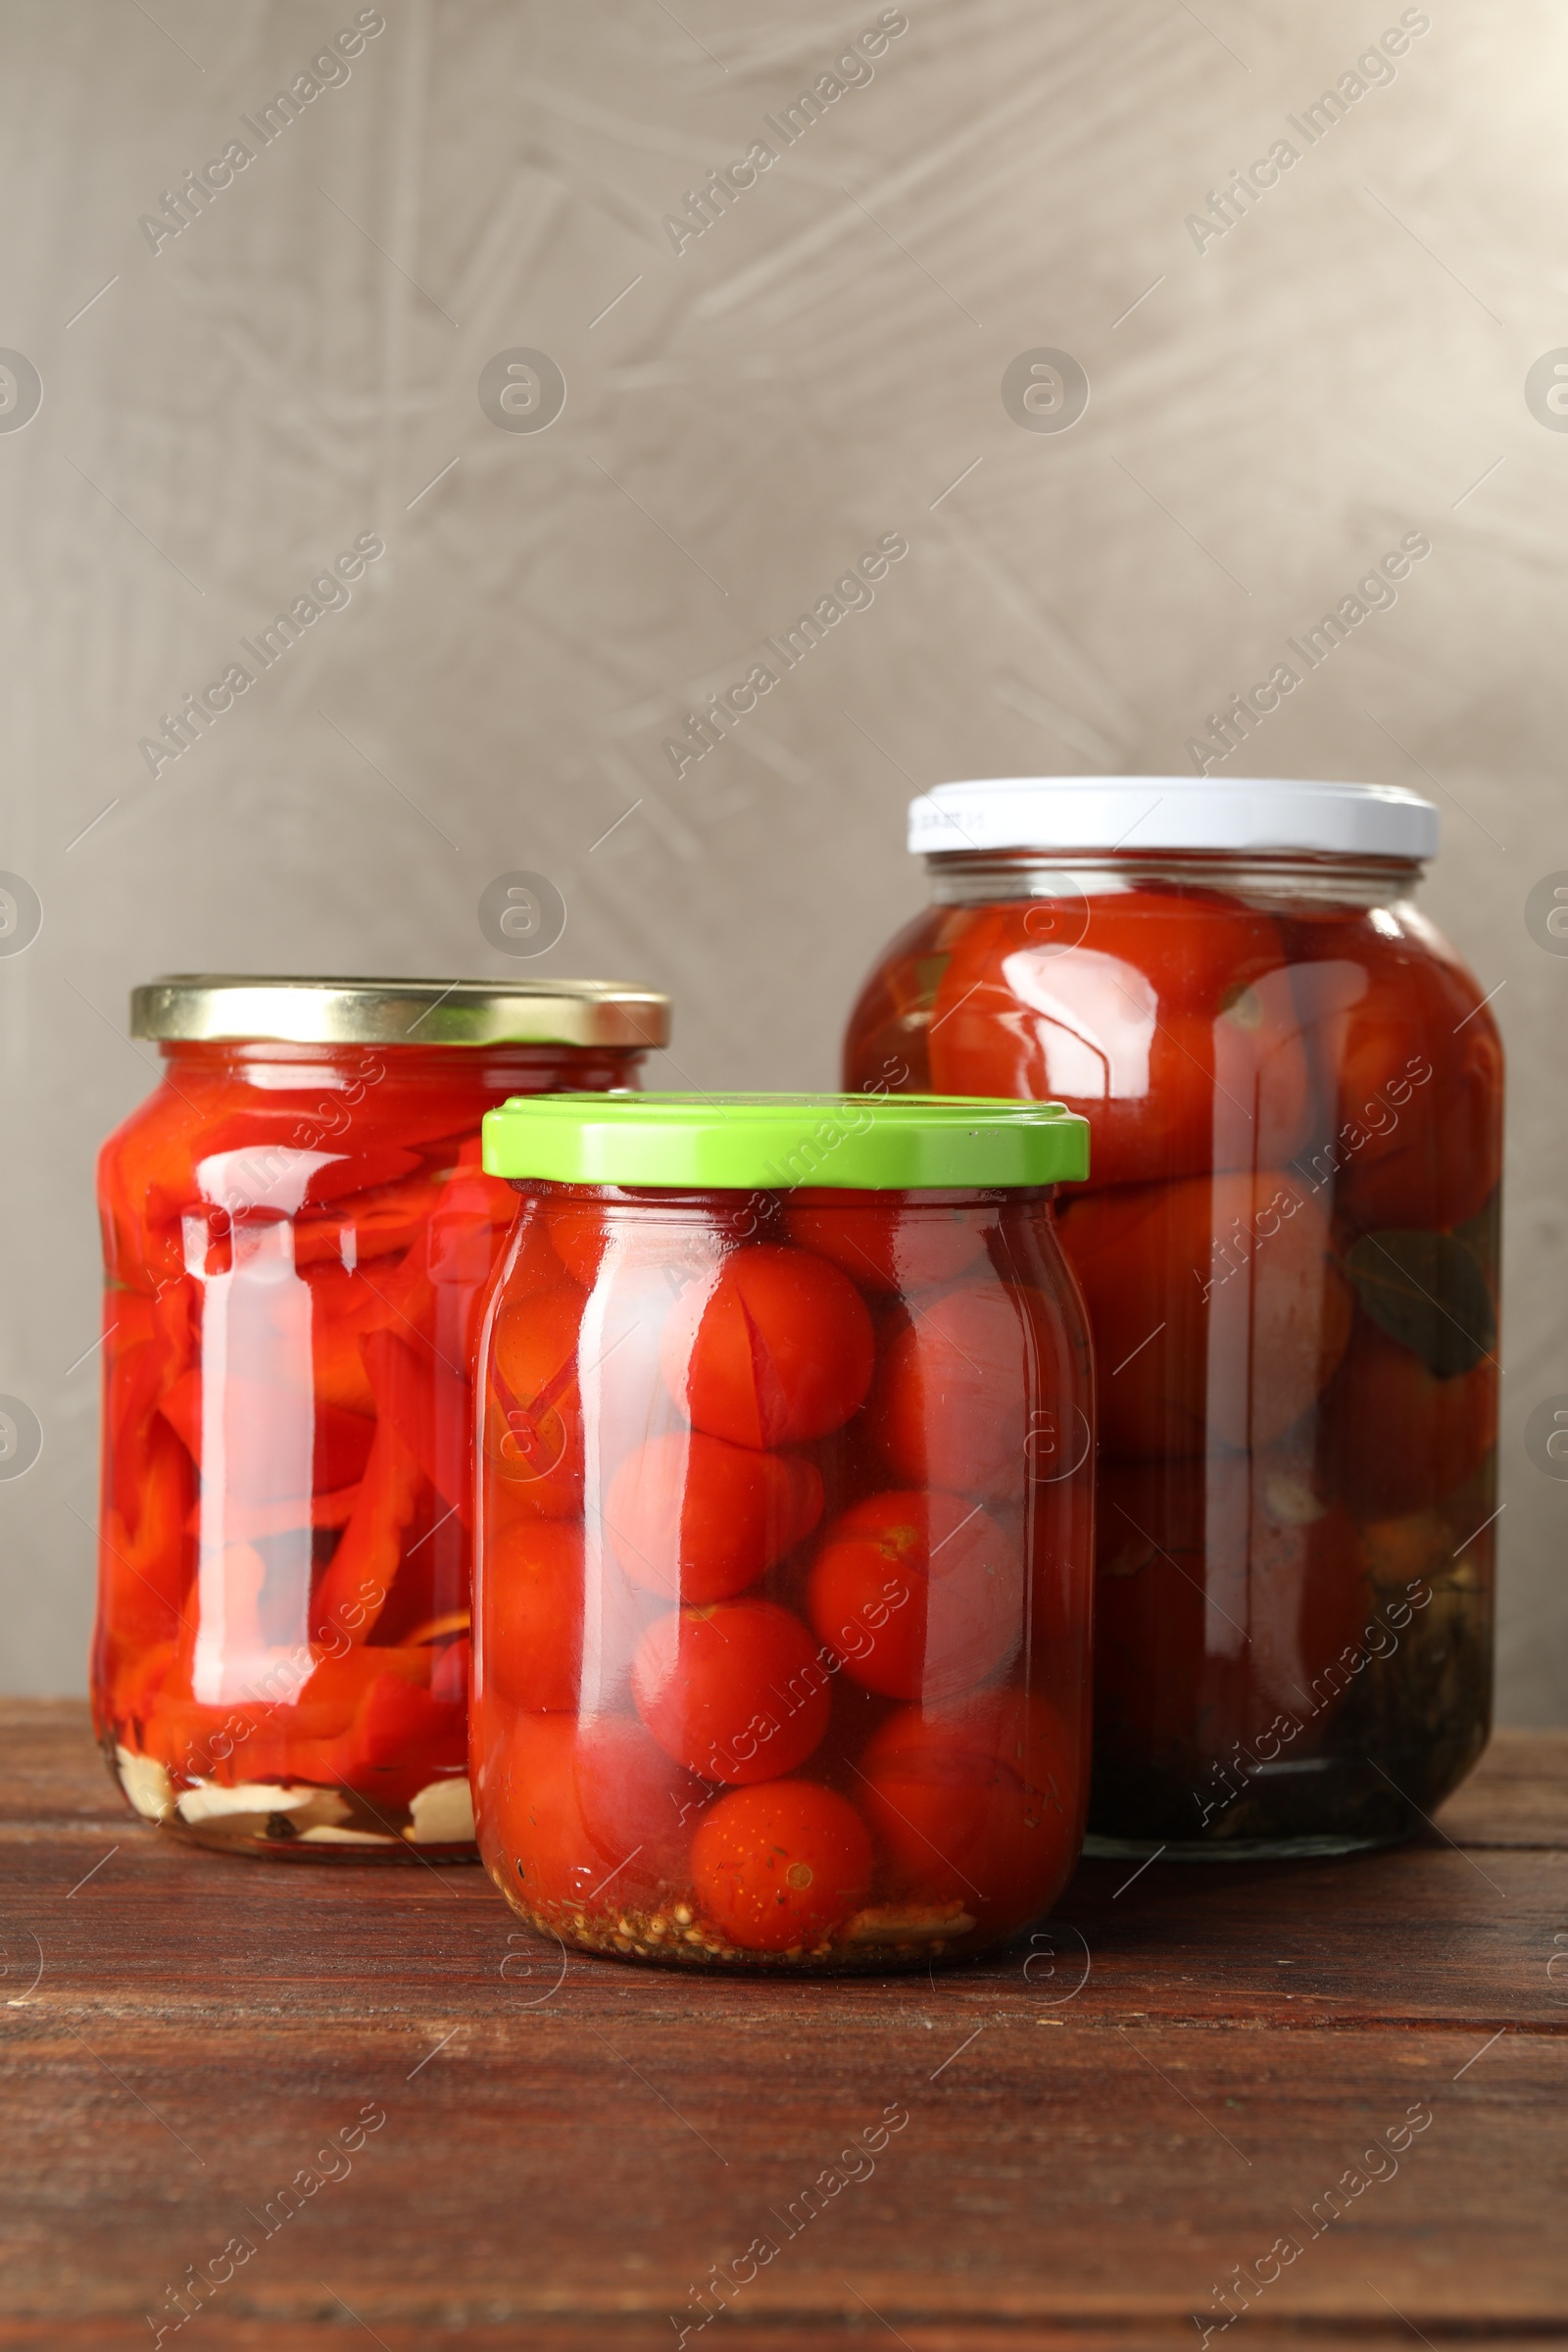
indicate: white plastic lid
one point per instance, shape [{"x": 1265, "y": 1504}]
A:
[{"x": 1173, "y": 812}]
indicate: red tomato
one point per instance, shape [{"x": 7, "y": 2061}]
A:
[
  {"x": 885, "y": 1044},
  {"x": 1417, "y": 1065},
  {"x": 978, "y": 1804},
  {"x": 586, "y": 1231},
  {"x": 533, "y": 1594},
  {"x": 697, "y": 1520},
  {"x": 920, "y": 1595},
  {"x": 735, "y": 1692},
  {"x": 534, "y": 1416},
  {"x": 454, "y": 1244},
  {"x": 888, "y": 1243},
  {"x": 1404, "y": 1437},
  {"x": 1170, "y": 1024},
  {"x": 773, "y": 1347},
  {"x": 529, "y": 1821},
  {"x": 1225, "y": 1589},
  {"x": 578, "y": 1235},
  {"x": 1216, "y": 1306},
  {"x": 948, "y": 1405},
  {"x": 782, "y": 1865},
  {"x": 640, "y": 1807}
]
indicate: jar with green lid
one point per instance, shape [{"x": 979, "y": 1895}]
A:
[
  {"x": 297, "y": 1234},
  {"x": 783, "y": 1546}
]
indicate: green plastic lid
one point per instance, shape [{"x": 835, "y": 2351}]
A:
[{"x": 771, "y": 1143}]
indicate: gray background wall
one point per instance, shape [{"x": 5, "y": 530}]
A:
[{"x": 1347, "y": 363}]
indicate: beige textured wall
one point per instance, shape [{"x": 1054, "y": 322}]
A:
[{"x": 1343, "y": 365}]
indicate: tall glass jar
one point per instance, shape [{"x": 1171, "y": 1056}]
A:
[
  {"x": 297, "y": 1235},
  {"x": 1288, "y": 1250},
  {"x": 784, "y": 1555}
]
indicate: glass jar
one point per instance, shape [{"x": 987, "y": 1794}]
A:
[
  {"x": 296, "y": 1234},
  {"x": 784, "y": 1547},
  {"x": 1288, "y": 1252}
]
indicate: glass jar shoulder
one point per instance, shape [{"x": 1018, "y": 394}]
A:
[{"x": 885, "y": 1044}]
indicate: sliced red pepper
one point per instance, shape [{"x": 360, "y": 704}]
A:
[
  {"x": 449, "y": 1677},
  {"x": 145, "y": 1559},
  {"x": 342, "y": 1439},
  {"x": 428, "y": 1405},
  {"x": 354, "y": 1587},
  {"x": 390, "y": 1218},
  {"x": 400, "y": 1729}
]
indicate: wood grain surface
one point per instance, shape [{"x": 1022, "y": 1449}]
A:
[{"x": 1073, "y": 2143}]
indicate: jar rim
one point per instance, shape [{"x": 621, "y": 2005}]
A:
[
  {"x": 215, "y": 1007},
  {"x": 1245, "y": 815}
]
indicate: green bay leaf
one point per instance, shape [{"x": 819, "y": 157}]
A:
[{"x": 1428, "y": 1292}]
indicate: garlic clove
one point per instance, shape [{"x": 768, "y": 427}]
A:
[
  {"x": 442, "y": 1815},
  {"x": 146, "y": 1783}
]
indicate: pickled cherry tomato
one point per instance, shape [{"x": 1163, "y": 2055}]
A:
[
  {"x": 1217, "y": 1309},
  {"x": 639, "y": 1807},
  {"x": 583, "y": 1236},
  {"x": 698, "y": 1520},
  {"x": 946, "y": 1407},
  {"x": 735, "y": 1691},
  {"x": 774, "y": 1348},
  {"x": 974, "y": 1803},
  {"x": 885, "y": 1044},
  {"x": 533, "y": 1594},
  {"x": 886, "y": 1243},
  {"x": 919, "y": 1595},
  {"x": 578, "y": 1238},
  {"x": 1402, "y": 1439},
  {"x": 529, "y": 1794},
  {"x": 531, "y": 1263},
  {"x": 1418, "y": 1133},
  {"x": 534, "y": 1429},
  {"x": 781, "y": 1865},
  {"x": 1168, "y": 1019}
]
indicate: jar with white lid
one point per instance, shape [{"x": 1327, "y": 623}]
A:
[{"x": 1288, "y": 1252}]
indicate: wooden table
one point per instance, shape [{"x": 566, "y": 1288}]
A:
[{"x": 1073, "y": 2144}]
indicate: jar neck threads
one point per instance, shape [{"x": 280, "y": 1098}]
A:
[{"x": 987, "y": 877}]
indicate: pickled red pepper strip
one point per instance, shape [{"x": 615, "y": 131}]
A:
[
  {"x": 430, "y": 1406},
  {"x": 353, "y": 1590}
]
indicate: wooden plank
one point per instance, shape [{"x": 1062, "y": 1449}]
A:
[
  {"x": 1423, "y": 1933},
  {"x": 1517, "y": 1795},
  {"x": 571, "y": 2146},
  {"x": 549, "y": 2165}
]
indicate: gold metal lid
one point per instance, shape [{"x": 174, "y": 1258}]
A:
[{"x": 214, "y": 1006}]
